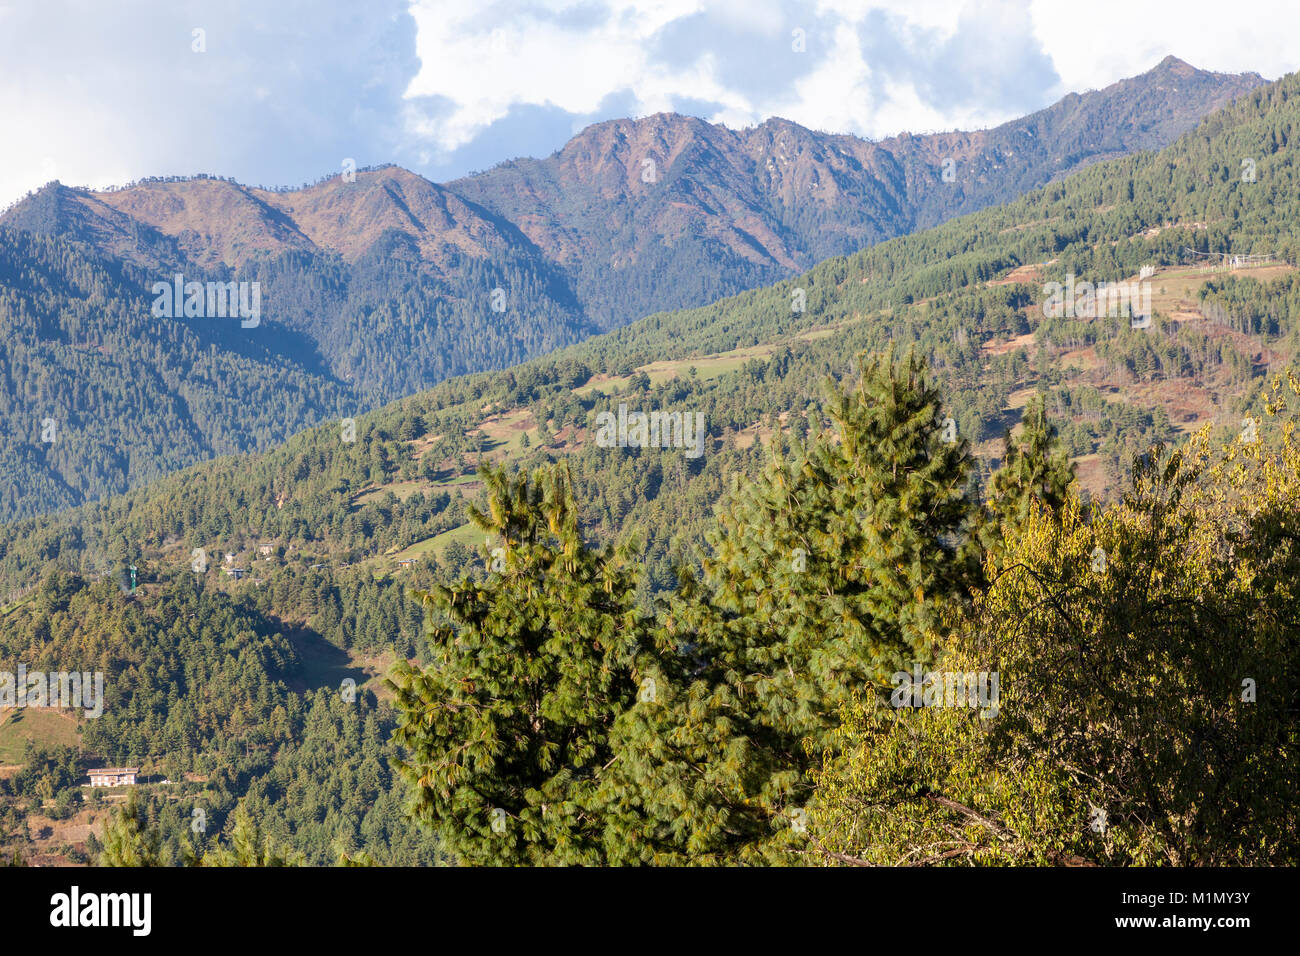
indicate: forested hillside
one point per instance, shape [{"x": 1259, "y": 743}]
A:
[
  {"x": 132, "y": 395},
  {"x": 100, "y": 396},
  {"x": 339, "y": 517},
  {"x": 375, "y": 284}
]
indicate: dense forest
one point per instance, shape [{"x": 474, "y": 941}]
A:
[
  {"x": 873, "y": 666},
  {"x": 99, "y": 395},
  {"x": 208, "y": 692},
  {"x": 932, "y": 290}
]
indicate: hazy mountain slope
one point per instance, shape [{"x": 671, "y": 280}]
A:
[
  {"x": 99, "y": 395},
  {"x": 1144, "y": 112},
  {"x": 404, "y": 301},
  {"x": 217, "y": 222}
]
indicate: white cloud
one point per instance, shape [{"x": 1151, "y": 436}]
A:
[
  {"x": 481, "y": 65},
  {"x": 486, "y": 60},
  {"x": 94, "y": 95},
  {"x": 1117, "y": 38}
]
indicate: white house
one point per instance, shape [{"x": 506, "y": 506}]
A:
[{"x": 113, "y": 777}]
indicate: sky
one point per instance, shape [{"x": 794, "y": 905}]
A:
[{"x": 283, "y": 92}]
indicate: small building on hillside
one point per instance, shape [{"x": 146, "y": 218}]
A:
[{"x": 113, "y": 777}]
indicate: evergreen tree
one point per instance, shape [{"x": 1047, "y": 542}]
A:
[
  {"x": 248, "y": 847},
  {"x": 827, "y": 576},
  {"x": 1037, "y": 472},
  {"x": 128, "y": 838},
  {"x": 507, "y": 730},
  {"x": 1146, "y": 703}
]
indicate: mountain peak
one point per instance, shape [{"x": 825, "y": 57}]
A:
[
  {"x": 1173, "y": 66},
  {"x": 1172, "y": 63}
]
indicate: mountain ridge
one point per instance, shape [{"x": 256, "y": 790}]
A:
[
  {"x": 384, "y": 286},
  {"x": 736, "y": 188}
]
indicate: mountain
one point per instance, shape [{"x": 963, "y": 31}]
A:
[
  {"x": 380, "y": 285},
  {"x": 748, "y": 207},
  {"x": 367, "y": 293},
  {"x": 969, "y": 293},
  {"x": 328, "y": 535},
  {"x": 212, "y": 223}
]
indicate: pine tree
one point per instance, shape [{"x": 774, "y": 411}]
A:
[
  {"x": 1144, "y": 707},
  {"x": 1037, "y": 473},
  {"x": 507, "y": 730},
  {"x": 826, "y": 576},
  {"x": 128, "y": 838},
  {"x": 248, "y": 847}
]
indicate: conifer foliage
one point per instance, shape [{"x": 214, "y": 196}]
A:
[
  {"x": 249, "y": 846},
  {"x": 128, "y": 838},
  {"x": 826, "y": 576},
  {"x": 1037, "y": 472},
  {"x": 1147, "y": 713},
  {"x": 507, "y": 730}
]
